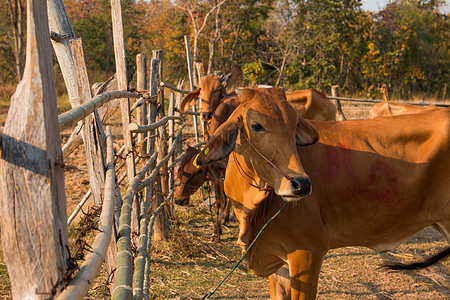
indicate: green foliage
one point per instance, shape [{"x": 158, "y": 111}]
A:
[
  {"x": 253, "y": 72},
  {"x": 294, "y": 43}
]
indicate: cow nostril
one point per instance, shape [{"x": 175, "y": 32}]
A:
[
  {"x": 302, "y": 186},
  {"x": 182, "y": 202},
  {"x": 206, "y": 115}
]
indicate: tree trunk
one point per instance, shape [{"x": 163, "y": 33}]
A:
[
  {"x": 17, "y": 17},
  {"x": 33, "y": 206}
]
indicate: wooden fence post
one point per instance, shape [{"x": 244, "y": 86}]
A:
[
  {"x": 33, "y": 204},
  {"x": 91, "y": 133},
  {"x": 121, "y": 67},
  {"x": 162, "y": 221},
  {"x": 171, "y": 112},
  {"x": 142, "y": 85},
  {"x": 191, "y": 83},
  {"x": 335, "y": 93},
  {"x": 61, "y": 33},
  {"x": 121, "y": 72}
]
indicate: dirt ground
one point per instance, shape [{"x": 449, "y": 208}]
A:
[{"x": 190, "y": 264}]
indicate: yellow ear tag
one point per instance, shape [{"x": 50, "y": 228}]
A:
[
  {"x": 195, "y": 161},
  {"x": 205, "y": 152}
]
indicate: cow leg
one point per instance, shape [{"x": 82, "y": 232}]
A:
[
  {"x": 225, "y": 203},
  {"x": 226, "y": 211},
  {"x": 444, "y": 228},
  {"x": 280, "y": 284},
  {"x": 219, "y": 207},
  {"x": 304, "y": 269}
]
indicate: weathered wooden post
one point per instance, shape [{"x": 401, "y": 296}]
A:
[
  {"x": 142, "y": 85},
  {"x": 61, "y": 32},
  {"x": 33, "y": 204},
  {"x": 153, "y": 89},
  {"x": 191, "y": 82},
  {"x": 162, "y": 221},
  {"x": 171, "y": 112},
  {"x": 121, "y": 67},
  {"x": 93, "y": 133},
  {"x": 335, "y": 93},
  {"x": 121, "y": 72}
]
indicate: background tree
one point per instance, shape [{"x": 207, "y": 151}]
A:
[
  {"x": 297, "y": 43},
  {"x": 17, "y": 14}
]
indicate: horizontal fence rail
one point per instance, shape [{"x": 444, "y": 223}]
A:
[
  {"x": 378, "y": 101},
  {"x": 69, "y": 118},
  {"x": 172, "y": 87}
]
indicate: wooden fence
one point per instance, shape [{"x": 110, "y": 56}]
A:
[{"x": 34, "y": 216}]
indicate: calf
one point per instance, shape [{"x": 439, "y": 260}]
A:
[{"x": 388, "y": 108}]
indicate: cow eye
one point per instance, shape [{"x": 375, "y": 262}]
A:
[{"x": 257, "y": 127}]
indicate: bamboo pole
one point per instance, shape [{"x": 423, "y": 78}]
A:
[
  {"x": 78, "y": 113},
  {"x": 123, "y": 277},
  {"x": 79, "y": 207},
  {"x": 80, "y": 284},
  {"x": 151, "y": 222}
]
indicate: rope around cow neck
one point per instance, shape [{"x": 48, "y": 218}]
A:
[{"x": 245, "y": 253}]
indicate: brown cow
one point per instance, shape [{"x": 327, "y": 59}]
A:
[
  {"x": 313, "y": 105},
  {"x": 211, "y": 91},
  {"x": 388, "y": 108},
  {"x": 306, "y": 102},
  {"x": 375, "y": 183},
  {"x": 191, "y": 178}
]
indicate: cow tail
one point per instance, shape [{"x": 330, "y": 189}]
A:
[{"x": 419, "y": 265}]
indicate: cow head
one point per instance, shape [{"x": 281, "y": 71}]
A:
[
  {"x": 189, "y": 176},
  {"x": 272, "y": 126},
  {"x": 211, "y": 90}
]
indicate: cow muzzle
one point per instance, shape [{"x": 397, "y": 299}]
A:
[
  {"x": 182, "y": 202},
  {"x": 296, "y": 189},
  {"x": 301, "y": 186}
]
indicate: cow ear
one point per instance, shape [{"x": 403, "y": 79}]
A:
[
  {"x": 223, "y": 141},
  {"x": 189, "y": 100},
  {"x": 306, "y": 133},
  {"x": 225, "y": 79}
]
